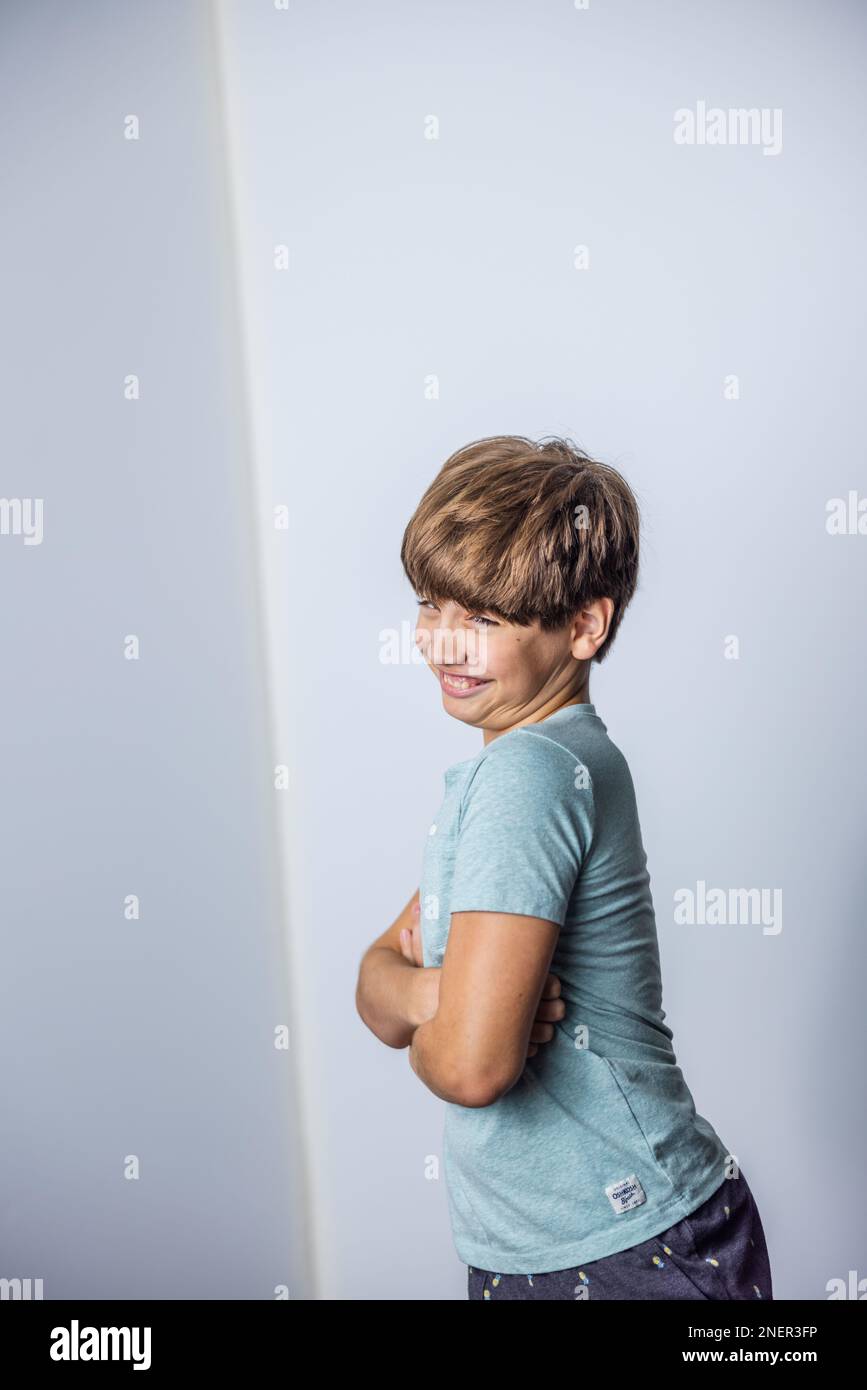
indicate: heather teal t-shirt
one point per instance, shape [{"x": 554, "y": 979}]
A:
[{"x": 598, "y": 1146}]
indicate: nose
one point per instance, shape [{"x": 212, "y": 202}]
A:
[
  {"x": 460, "y": 650},
  {"x": 446, "y": 643}
]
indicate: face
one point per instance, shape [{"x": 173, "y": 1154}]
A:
[{"x": 495, "y": 675}]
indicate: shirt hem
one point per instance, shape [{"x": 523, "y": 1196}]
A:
[
  {"x": 547, "y": 911},
  {"x": 596, "y": 1247}
]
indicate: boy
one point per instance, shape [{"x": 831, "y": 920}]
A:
[{"x": 575, "y": 1162}]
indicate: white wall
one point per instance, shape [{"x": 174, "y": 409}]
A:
[
  {"x": 408, "y": 258},
  {"x": 154, "y": 1037},
  {"x": 454, "y": 257}
]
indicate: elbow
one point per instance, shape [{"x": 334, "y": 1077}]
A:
[
  {"x": 474, "y": 1098},
  {"x": 480, "y": 1080},
  {"x": 464, "y": 1071},
  {"x": 389, "y": 1033},
  {"x": 368, "y": 1016},
  {"x": 476, "y": 1091}
]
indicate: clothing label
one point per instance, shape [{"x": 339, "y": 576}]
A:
[{"x": 626, "y": 1194}]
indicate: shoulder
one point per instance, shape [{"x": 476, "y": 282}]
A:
[{"x": 522, "y": 763}]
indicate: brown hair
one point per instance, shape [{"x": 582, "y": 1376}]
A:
[{"x": 499, "y": 530}]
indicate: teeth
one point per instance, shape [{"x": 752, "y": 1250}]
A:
[{"x": 460, "y": 681}]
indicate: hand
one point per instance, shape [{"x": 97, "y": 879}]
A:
[
  {"x": 551, "y": 1007},
  {"x": 410, "y": 937},
  {"x": 426, "y": 985}
]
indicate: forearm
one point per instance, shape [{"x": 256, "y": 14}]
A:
[{"x": 390, "y": 995}]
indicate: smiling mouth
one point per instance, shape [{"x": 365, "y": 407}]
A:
[{"x": 463, "y": 683}]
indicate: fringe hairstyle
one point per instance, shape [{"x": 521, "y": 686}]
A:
[{"x": 525, "y": 530}]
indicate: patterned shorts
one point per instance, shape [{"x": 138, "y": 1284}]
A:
[{"x": 718, "y": 1252}]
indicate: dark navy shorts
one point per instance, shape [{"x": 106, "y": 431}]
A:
[{"x": 718, "y": 1252}]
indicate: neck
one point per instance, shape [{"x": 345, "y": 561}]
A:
[{"x": 549, "y": 707}]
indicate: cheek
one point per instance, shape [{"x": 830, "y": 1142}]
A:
[{"x": 533, "y": 657}]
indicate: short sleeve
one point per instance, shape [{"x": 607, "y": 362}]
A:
[{"x": 525, "y": 829}]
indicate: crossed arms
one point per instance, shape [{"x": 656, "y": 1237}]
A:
[{"x": 470, "y": 1024}]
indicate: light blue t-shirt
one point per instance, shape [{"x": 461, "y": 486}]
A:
[{"x": 598, "y": 1146}]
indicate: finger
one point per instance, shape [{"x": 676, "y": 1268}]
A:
[
  {"x": 532, "y": 1050},
  {"x": 551, "y": 1010},
  {"x": 542, "y": 1032},
  {"x": 551, "y": 988},
  {"x": 417, "y": 946},
  {"x": 406, "y": 945}
]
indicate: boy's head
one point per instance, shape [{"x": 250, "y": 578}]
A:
[{"x": 523, "y": 557}]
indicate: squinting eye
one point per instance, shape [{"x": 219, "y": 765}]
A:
[
  {"x": 489, "y": 622},
  {"x": 425, "y": 603}
]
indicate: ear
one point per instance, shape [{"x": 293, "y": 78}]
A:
[{"x": 590, "y": 628}]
